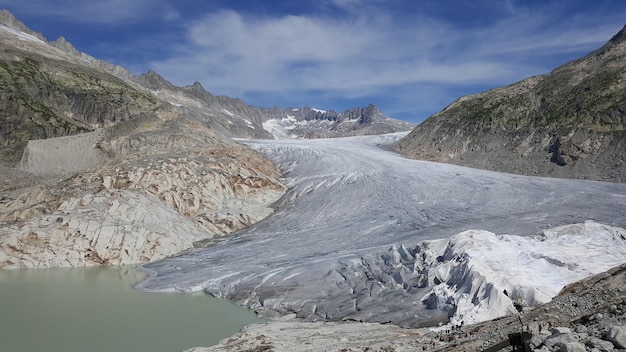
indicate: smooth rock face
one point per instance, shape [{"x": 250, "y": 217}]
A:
[
  {"x": 62, "y": 154},
  {"x": 573, "y": 347},
  {"x": 163, "y": 186},
  {"x": 617, "y": 335},
  {"x": 600, "y": 345}
]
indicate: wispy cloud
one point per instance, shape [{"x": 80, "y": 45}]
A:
[
  {"x": 366, "y": 53},
  {"x": 409, "y": 57},
  {"x": 107, "y": 12}
]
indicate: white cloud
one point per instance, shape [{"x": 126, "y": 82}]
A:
[
  {"x": 109, "y": 12},
  {"x": 370, "y": 53}
]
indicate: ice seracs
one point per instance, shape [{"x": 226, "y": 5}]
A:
[{"x": 481, "y": 275}]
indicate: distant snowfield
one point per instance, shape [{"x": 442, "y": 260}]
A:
[{"x": 366, "y": 234}]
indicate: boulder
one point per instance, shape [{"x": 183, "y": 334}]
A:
[
  {"x": 617, "y": 335},
  {"x": 600, "y": 345},
  {"x": 572, "y": 347}
]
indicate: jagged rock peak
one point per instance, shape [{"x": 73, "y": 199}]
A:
[
  {"x": 197, "y": 90},
  {"x": 363, "y": 114},
  {"x": 620, "y": 37},
  {"x": 63, "y": 44},
  {"x": 7, "y": 19},
  {"x": 153, "y": 80}
]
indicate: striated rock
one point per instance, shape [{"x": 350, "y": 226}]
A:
[
  {"x": 98, "y": 169},
  {"x": 163, "y": 186},
  {"x": 112, "y": 227}
]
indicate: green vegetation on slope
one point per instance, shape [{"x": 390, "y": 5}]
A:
[{"x": 43, "y": 98}]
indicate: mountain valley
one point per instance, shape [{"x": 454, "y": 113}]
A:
[{"x": 492, "y": 209}]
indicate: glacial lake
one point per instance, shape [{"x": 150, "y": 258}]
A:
[{"x": 97, "y": 309}]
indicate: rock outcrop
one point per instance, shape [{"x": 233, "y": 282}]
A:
[
  {"x": 98, "y": 169},
  {"x": 46, "y": 98},
  {"x": 163, "y": 186},
  {"x": 233, "y": 117},
  {"x": 568, "y": 123}
]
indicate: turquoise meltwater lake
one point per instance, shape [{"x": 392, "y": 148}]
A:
[{"x": 97, "y": 309}]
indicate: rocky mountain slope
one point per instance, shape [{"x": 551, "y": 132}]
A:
[
  {"x": 149, "y": 188},
  {"x": 50, "y": 89},
  {"x": 227, "y": 116},
  {"x": 96, "y": 169},
  {"x": 568, "y": 123},
  {"x": 232, "y": 117}
]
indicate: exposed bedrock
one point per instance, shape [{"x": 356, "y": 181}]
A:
[{"x": 159, "y": 189}]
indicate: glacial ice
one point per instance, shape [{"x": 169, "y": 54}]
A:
[{"x": 365, "y": 234}]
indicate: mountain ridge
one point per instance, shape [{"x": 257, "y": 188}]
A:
[
  {"x": 309, "y": 122},
  {"x": 231, "y": 117},
  {"x": 566, "y": 123}
]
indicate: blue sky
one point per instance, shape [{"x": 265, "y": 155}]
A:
[{"x": 411, "y": 58}]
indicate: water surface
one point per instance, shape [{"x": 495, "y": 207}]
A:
[{"x": 97, "y": 309}]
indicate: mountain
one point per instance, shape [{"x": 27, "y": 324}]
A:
[
  {"x": 227, "y": 116},
  {"x": 309, "y": 122},
  {"x": 50, "y": 89},
  {"x": 98, "y": 169},
  {"x": 567, "y": 123},
  {"x": 233, "y": 117},
  {"x": 48, "y": 92},
  {"x": 86, "y": 147}
]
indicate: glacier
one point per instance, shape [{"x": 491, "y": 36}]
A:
[{"x": 365, "y": 234}]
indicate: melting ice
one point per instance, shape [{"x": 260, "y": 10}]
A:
[{"x": 366, "y": 234}]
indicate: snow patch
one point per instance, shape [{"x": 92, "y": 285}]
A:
[
  {"x": 227, "y": 112},
  {"x": 319, "y": 110},
  {"x": 280, "y": 127},
  {"x": 21, "y": 35},
  {"x": 175, "y": 104},
  {"x": 249, "y": 123}
]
